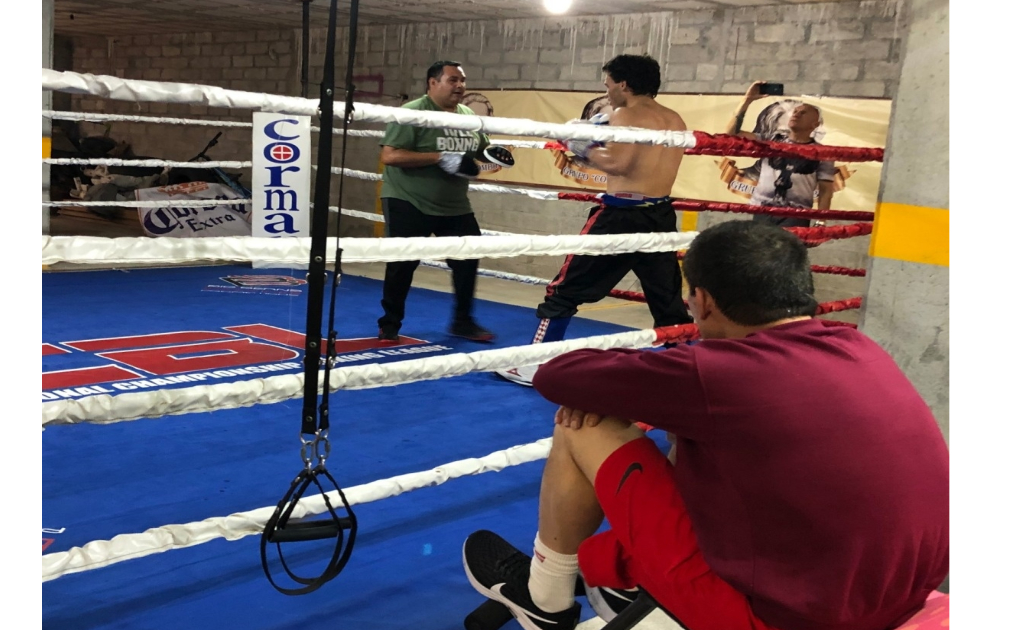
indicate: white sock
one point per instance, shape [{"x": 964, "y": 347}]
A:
[{"x": 552, "y": 578}]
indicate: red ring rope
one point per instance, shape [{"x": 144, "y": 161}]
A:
[
  {"x": 697, "y": 205},
  {"x": 632, "y": 296},
  {"x": 735, "y": 146},
  {"x": 836, "y": 322},
  {"x": 688, "y": 332},
  {"x": 831, "y": 232},
  {"x": 839, "y": 271}
]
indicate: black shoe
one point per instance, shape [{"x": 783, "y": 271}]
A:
[
  {"x": 501, "y": 572},
  {"x": 470, "y": 330},
  {"x": 609, "y": 602},
  {"x": 387, "y": 334}
]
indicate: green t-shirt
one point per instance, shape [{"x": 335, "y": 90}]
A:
[{"x": 429, "y": 188}]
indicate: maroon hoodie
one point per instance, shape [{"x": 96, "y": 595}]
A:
[{"x": 816, "y": 476}]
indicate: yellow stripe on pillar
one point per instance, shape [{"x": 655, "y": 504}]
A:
[
  {"x": 689, "y": 222},
  {"x": 915, "y": 234}
]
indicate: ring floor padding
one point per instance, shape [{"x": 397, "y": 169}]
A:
[{"x": 103, "y": 480}]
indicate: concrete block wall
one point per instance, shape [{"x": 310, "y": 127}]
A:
[
  {"x": 263, "y": 61},
  {"x": 828, "y": 49}
]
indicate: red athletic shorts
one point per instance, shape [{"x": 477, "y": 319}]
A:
[{"x": 651, "y": 544}]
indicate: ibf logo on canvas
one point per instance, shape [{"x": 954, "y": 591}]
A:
[{"x": 280, "y": 175}]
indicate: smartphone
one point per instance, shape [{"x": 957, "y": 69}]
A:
[{"x": 773, "y": 89}]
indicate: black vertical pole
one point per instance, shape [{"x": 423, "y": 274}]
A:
[{"x": 305, "y": 48}]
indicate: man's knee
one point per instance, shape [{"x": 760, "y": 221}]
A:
[
  {"x": 557, "y": 307},
  {"x": 589, "y": 446}
]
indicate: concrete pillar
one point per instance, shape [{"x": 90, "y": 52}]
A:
[
  {"x": 906, "y": 308},
  {"x": 47, "y": 104}
]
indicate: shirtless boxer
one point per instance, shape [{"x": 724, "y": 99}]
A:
[{"x": 640, "y": 179}]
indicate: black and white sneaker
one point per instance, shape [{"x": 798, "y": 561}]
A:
[
  {"x": 501, "y": 572},
  {"x": 609, "y": 602}
]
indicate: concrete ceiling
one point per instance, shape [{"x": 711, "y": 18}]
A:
[{"x": 129, "y": 17}]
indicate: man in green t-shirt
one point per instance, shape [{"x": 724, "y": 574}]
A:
[{"x": 425, "y": 192}]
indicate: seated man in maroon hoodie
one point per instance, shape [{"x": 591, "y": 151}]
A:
[{"x": 811, "y": 489}]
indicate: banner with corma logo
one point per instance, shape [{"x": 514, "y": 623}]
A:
[{"x": 281, "y": 175}]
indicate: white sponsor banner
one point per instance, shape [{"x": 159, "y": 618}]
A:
[
  {"x": 193, "y": 221},
  {"x": 281, "y": 175}
]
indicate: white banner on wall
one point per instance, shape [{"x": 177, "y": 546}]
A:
[
  {"x": 193, "y": 222},
  {"x": 281, "y": 175}
]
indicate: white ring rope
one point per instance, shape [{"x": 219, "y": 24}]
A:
[
  {"x": 92, "y": 117},
  {"x": 359, "y": 214},
  {"x": 103, "y": 553},
  {"x": 505, "y": 142},
  {"x": 164, "y": 92},
  {"x": 144, "y": 163},
  {"x": 184, "y": 203},
  {"x": 502, "y": 275},
  {"x": 544, "y": 195},
  {"x": 145, "y": 250},
  {"x": 524, "y": 144},
  {"x": 364, "y": 175},
  {"x": 369, "y": 216},
  {"x": 358, "y": 133},
  {"x": 202, "y": 203},
  {"x": 107, "y": 409},
  {"x": 379, "y": 218}
]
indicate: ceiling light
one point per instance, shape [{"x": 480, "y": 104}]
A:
[{"x": 557, "y": 6}]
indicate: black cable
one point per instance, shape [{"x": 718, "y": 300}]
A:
[{"x": 350, "y": 90}]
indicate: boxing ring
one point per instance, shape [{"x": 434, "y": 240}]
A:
[{"x": 171, "y": 392}]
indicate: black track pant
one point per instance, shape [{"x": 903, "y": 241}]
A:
[
  {"x": 402, "y": 219},
  {"x": 588, "y": 279}
]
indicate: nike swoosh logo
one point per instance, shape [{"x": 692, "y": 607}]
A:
[
  {"x": 635, "y": 466},
  {"x": 547, "y": 622}
]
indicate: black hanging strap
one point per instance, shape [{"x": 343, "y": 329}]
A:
[{"x": 283, "y": 527}]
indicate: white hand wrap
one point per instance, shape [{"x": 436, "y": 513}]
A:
[{"x": 460, "y": 164}]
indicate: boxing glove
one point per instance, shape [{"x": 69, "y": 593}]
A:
[{"x": 582, "y": 148}]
